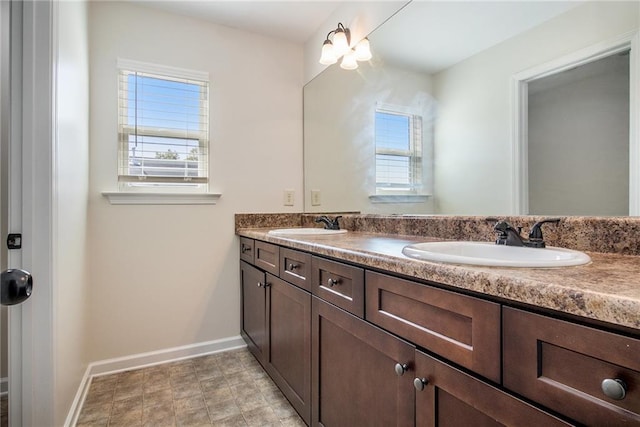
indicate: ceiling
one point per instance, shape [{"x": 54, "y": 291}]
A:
[
  {"x": 430, "y": 36},
  {"x": 294, "y": 21}
]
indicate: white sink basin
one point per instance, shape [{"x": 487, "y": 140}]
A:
[
  {"x": 304, "y": 232},
  {"x": 490, "y": 254}
]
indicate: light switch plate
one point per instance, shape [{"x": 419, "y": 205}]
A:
[
  {"x": 289, "y": 197},
  {"x": 315, "y": 198}
]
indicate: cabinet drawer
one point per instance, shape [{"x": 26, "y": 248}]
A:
[
  {"x": 447, "y": 396},
  {"x": 267, "y": 257},
  {"x": 295, "y": 267},
  {"x": 463, "y": 329},
  {"x": 246, "y": 249},
  {"x": 339, "y": 284},
  {"x": 562, "y": 365}
]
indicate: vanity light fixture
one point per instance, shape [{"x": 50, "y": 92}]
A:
[{"x": 339, "y": 46}]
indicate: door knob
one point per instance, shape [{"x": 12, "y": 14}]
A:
[
  {"x": 15, "y": 286},
  {"x": 419, "y": 383},
  {"x": 401, "y": 368},
  {"x": 614, "y": 388}
]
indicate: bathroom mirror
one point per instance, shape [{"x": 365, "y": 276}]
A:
[{"x": 463, "y": 86}]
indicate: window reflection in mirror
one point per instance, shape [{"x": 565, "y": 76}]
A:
[{"x": 457, "y": 62}]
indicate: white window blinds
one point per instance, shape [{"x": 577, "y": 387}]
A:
[
  {"x": 398, "y": 139},
  {"x": 163, "y": 126}
]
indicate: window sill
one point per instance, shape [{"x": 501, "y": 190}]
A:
[
  {"x": 138, "y": 198},
  {"x": 399, "y": 198}
]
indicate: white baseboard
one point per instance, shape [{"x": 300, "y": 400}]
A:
[{"x": 111, "y": 366}]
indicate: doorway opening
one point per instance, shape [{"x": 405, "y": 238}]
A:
[{"x": 576, "y": 120}]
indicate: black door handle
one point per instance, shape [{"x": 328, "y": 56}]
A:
[{"x": 15, "y": 286}]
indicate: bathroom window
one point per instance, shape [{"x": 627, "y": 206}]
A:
[
  {"x": 163, "y": 122},
  {"x": 398, "y": 138}
]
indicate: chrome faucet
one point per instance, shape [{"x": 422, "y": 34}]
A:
[
  {"x": 509, "y": 236},
  {"x": 329, "y": 224}
]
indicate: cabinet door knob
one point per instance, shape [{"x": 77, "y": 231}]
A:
[
  {"x": 419, "y": 383},
  {"x": 259, "y": 284},
  {"x": 401, "y": 368},
  {"x": 615, "y": 389},
  {"x": 264, "y": 285},
  {"x": 293, "y": 266},
  {"x": 332, "y": 282},
  {"x": 245, "y": 249}
]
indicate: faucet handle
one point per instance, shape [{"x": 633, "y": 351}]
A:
[{"x": 535, "y": 235}]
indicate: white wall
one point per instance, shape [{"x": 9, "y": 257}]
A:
[
  {"x": 473, "y": 131},
  {"x": 165, "y": 276},
  {"x": 340, "y": 134},
  {"x": 71, "y": 279},
  {"x": 361, "y": 17},
  {"x": 579, "y": 140}
]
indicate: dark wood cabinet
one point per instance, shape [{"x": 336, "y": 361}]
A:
[
  {"x": 562, "y": 365},
  {"x": 295, "y": 267},
  {"x": 354, "y": 366},
  {"x": 324, "y": 331},
  {"x": 276, "y": 325},
  {"x": 460, "y": 328},
  {"x": 289, "y": 326},
  {"x": 340, "y": 284},
  {"x": 254, "y": 309},
  {"x": 447, "y": 396},
  {"x": 246, "y": 249},
  {"x": 267, "y": 257}
]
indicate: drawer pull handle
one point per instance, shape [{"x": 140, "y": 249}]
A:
[
  {"x": 332, "y": 282},
  {"x": 614, "y": 388},
  {"x": 401, "y": 368},
  {"x": 293, "y": 266},
  {"x": 245, "y": 249},
  {"x": 419, "y": 383}
]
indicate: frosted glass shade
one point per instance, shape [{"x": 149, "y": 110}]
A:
[
  {"x": 340, "y": 43},
  {"x": 363, "y": 51},
  {"x": 349, "y": 61},
  {"x": 328, "y": 55}
]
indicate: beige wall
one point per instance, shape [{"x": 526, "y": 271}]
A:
[
  {"x": 166, "y": 276},
  {"x": 473, "y": 131},
  {"x": 71, "y": 281}
]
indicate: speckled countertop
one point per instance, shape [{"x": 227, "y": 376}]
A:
[{"x": 607, "y": 289}]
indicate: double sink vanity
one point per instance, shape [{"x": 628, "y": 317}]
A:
[{"x": 355, "y": 332}]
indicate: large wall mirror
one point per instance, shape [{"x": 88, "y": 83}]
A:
[{"x": 482, "y": 108}]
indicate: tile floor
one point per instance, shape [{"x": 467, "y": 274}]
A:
[
  {"x": 223, "y": 389},
  {"x": 4, "y": 411}
]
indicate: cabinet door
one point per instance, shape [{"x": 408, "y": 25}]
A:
[
  {"x": 290, "y": 343},
  {"x": 563, "y": 366},
  {"x": 354, "y": 372},
  {"x": 446, "y": 396},
  {"x": 254, "y": 320},
  {"x": 459, "y": 328}
]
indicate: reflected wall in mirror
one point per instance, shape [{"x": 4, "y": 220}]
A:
[{"x": 451, "y": 66}]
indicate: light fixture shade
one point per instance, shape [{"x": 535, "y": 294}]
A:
[
  {"x": 340, "y": 43},
  {"x": 363, "y": 51},
  {"x": 328, "y": 55},
  {"x": 349, "y": 61}
]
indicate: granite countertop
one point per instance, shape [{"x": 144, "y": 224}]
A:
[{"x": 607, "y": 289}]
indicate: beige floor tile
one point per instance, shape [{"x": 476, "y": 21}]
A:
[
  {"x": 223, "y": 389},
  {"x": 160, "y": 397},
  {"x": 197, "y": 417},
  {"x": 235, "y": 421}
]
